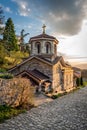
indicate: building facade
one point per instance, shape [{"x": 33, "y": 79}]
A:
[{"x": 44, "y": 68}]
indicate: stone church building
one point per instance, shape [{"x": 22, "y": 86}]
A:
[{"x": 43, "y": 67}]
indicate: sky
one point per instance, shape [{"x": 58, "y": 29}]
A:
[{"x": 64, "y": 19}]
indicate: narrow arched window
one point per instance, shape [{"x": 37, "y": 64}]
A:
[
  {"x": 47, "y": 48},
  {"x": 38, "y": 48}
]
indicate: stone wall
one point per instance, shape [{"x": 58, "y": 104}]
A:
[
  {"x": 68, "y": 79},
  {"x": 62, "y": 80},
  {"x": 42, "y": 43},
  {"x": 57, "y": 75}
]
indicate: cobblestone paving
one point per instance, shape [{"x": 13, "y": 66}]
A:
[{"x": 66, "y": 113}]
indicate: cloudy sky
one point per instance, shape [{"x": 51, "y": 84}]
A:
[{"x": 65, "y": 19}]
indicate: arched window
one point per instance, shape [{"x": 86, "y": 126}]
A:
[
  {"x": 38, "y": 48},
  {"x": 48, "y": 48}
]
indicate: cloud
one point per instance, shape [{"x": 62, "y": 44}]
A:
[
  {"x": 23, "y": 9},
  {"x": 65, "y": 17},
  {"x": 7, "y": 9}
]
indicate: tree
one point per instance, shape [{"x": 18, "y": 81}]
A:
[
  {"x": 3, "y": 53},
  {"x": 22, "y": 45},
  {"x": 1, "y": 20},
  {"x": 9, "y": 36},
  {"x": 81, "y": 81},
  {"x": 78, "y": 81},
  {"x": 23, "y": 35}
]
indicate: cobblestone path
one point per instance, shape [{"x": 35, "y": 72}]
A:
[{"x": 66, "y": 113}]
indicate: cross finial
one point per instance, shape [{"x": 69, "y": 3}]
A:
[{"x": 44, "y": 26}]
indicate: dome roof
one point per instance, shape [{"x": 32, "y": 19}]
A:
[{"x": 43, "y": 36}]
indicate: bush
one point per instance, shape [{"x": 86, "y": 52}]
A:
[
  {"x": 6, "y": 76},
  {"x": 2, "y": 70},
  {"x": 81, "y": 81},
  {"x": 18, "y": 93},
  {"x": 58, "y": 95},
  {"x": 78, "y": 82},
  {"x": 7, "y": 112},
  {"x": 85, "y": 83}
]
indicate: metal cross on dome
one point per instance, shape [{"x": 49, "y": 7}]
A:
[{"x": 44, "y": 26}]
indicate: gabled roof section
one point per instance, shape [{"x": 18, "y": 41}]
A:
[
  {"x": 35, "y": 75},
  {"x": 30, "y": 58},
  {"x": 51, "y": 63},
  {"x": 63, "y": 63}
]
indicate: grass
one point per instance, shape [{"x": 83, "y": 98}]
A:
[
  {"x": 6, "y": 76},
  {"x": 58, "y": 95},
  {"x": 85, "y": 83},
  {"x": 7, "y": 112}
]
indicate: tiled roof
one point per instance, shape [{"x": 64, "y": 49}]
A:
[
  {"x": 58, "y": 58},
  {"x": 42, "y": 36},
  {"x": 38, "y": 74},
  {"x": 49, "y": 61},
  {"x": 35, "y": 75}
]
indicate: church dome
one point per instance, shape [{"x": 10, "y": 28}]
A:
[
  {"x": 44, "y": 45},
  {"x": 43, "y": 36}
]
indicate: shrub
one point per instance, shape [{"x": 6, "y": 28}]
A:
[
  {"x": 2, "y": 70},
  {"x": 78, "y": 81},
  {"x": 85, "y": 83},
  {"x": 58, "y": 95},
  {"x": 81, "y": 81},
  {"x": 18, "y": 93},
  {"x": 6, "y": 76},
  {"x": 54, "y": 96},
  {"x": 7, "y": 112}
]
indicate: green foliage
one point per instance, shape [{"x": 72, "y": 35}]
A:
[
  {"x": 1, "y": 20},
  {"x": 58, "y": 95},
  {"x": 6, "y": 76},
  {"x": 85, "y": 83},
  {"x": 9, "y": 36},
  {"x": 2, "y": 70},
  {"x": 81, "y": 81},
  {"x": 78, "y": 81},
  {"x": 7, "y": 112},
  {"x": 14, "y": 58},
  {"x": 9, "y": 50},
  {"x": 2, "y": 54}
]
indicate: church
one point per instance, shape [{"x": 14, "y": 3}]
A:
[{"x": 43, "y": 67}]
